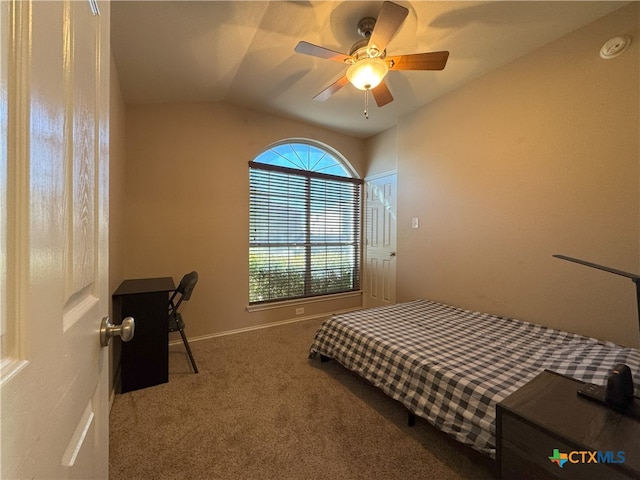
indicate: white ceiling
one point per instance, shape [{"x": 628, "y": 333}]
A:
[{"x": 241, "y": 52}]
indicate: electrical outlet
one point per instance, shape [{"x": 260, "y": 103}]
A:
[
  {"x": 415, "y": 222},
  {"x": 299, "y": 311}
]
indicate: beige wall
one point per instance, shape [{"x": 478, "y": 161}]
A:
[
  {"x": 382, "y": 152},
  {"x": 537, "y": 158},
  {"x": 187, "y": 203}
]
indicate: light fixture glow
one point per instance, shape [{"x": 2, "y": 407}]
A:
[{"x": 367, "y": 73}]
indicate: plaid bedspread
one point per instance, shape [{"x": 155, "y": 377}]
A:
[{"x": 451, "y": 366}]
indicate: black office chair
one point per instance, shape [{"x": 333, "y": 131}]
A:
[{"x": 176, "y": 323}]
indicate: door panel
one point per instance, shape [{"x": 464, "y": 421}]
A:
[
  {"x": 54, "y": 382},
  {"x": 380, "y": 241}
]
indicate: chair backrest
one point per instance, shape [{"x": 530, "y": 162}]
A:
[{"x": 185, "y": 289}]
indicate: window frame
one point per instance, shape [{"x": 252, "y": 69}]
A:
[{"x": 356, "y": 223}]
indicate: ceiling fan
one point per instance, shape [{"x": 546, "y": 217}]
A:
[{"x": 367, "y": 59}]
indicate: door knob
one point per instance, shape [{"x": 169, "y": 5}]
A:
[
  {"x": 125, "y": 330},
  {"x": 392, "y": 254}
]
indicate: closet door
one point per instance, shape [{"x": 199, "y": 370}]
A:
[{"x": 380, "y": 240}]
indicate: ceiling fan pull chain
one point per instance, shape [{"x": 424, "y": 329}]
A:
[{"x": 366, "y": 104}]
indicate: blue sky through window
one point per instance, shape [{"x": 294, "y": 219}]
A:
[{"x": 303, "y": 156}]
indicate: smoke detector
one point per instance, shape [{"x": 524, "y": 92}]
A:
[{"x": 614, "y": 47}]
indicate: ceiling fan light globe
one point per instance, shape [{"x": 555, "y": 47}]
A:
[{"x": 367, "y": 73}]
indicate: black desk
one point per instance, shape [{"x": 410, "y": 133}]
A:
[{"x": 144, "y": 359}]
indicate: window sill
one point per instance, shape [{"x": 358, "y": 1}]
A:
[{"x": 302, "y": 301}]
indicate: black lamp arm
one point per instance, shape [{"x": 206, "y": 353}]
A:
[{"x": 634, "y": 277}]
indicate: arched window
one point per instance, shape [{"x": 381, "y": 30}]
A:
[{"x": 304, "y": 224}]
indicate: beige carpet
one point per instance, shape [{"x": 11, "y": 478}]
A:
[{"x": 260, "y": 409}]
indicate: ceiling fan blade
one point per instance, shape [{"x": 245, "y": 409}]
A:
[
  {"x": 387, "y": 24},
  {"x": 382, "y": 94},
  {"x": 419, "y": 61},
  {"x": 307, "y": 48},
  {"x": 331, "y": 89}
]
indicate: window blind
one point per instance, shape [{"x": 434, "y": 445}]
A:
[{"x": 304, "y": 233}]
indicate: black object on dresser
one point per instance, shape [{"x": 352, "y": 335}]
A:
[
  {"x": 144, "y": 359},
  {"x": 546, "y": 430}
]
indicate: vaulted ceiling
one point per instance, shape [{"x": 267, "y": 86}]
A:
[{"x": 242, "y": 52}]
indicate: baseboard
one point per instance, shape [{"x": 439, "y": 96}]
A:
[{"x": 260, "y": 327}]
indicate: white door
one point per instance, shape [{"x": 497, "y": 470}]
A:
[
  {"x": 380, "y": 240},
  {"x": 54, "y": 104}
]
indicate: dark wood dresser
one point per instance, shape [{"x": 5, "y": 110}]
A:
[{"x": 546, "y": 418}]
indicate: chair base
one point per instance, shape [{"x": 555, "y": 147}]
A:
[
  {"x": 186, "y": 346},
  {"x": 176, "y": 324}
]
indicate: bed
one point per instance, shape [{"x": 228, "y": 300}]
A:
[{"x": 451, "y": 366}]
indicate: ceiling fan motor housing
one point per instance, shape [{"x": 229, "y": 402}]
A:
[
  {"x": 365, "y": 27},
  {"x": 361, "y": 49}
]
